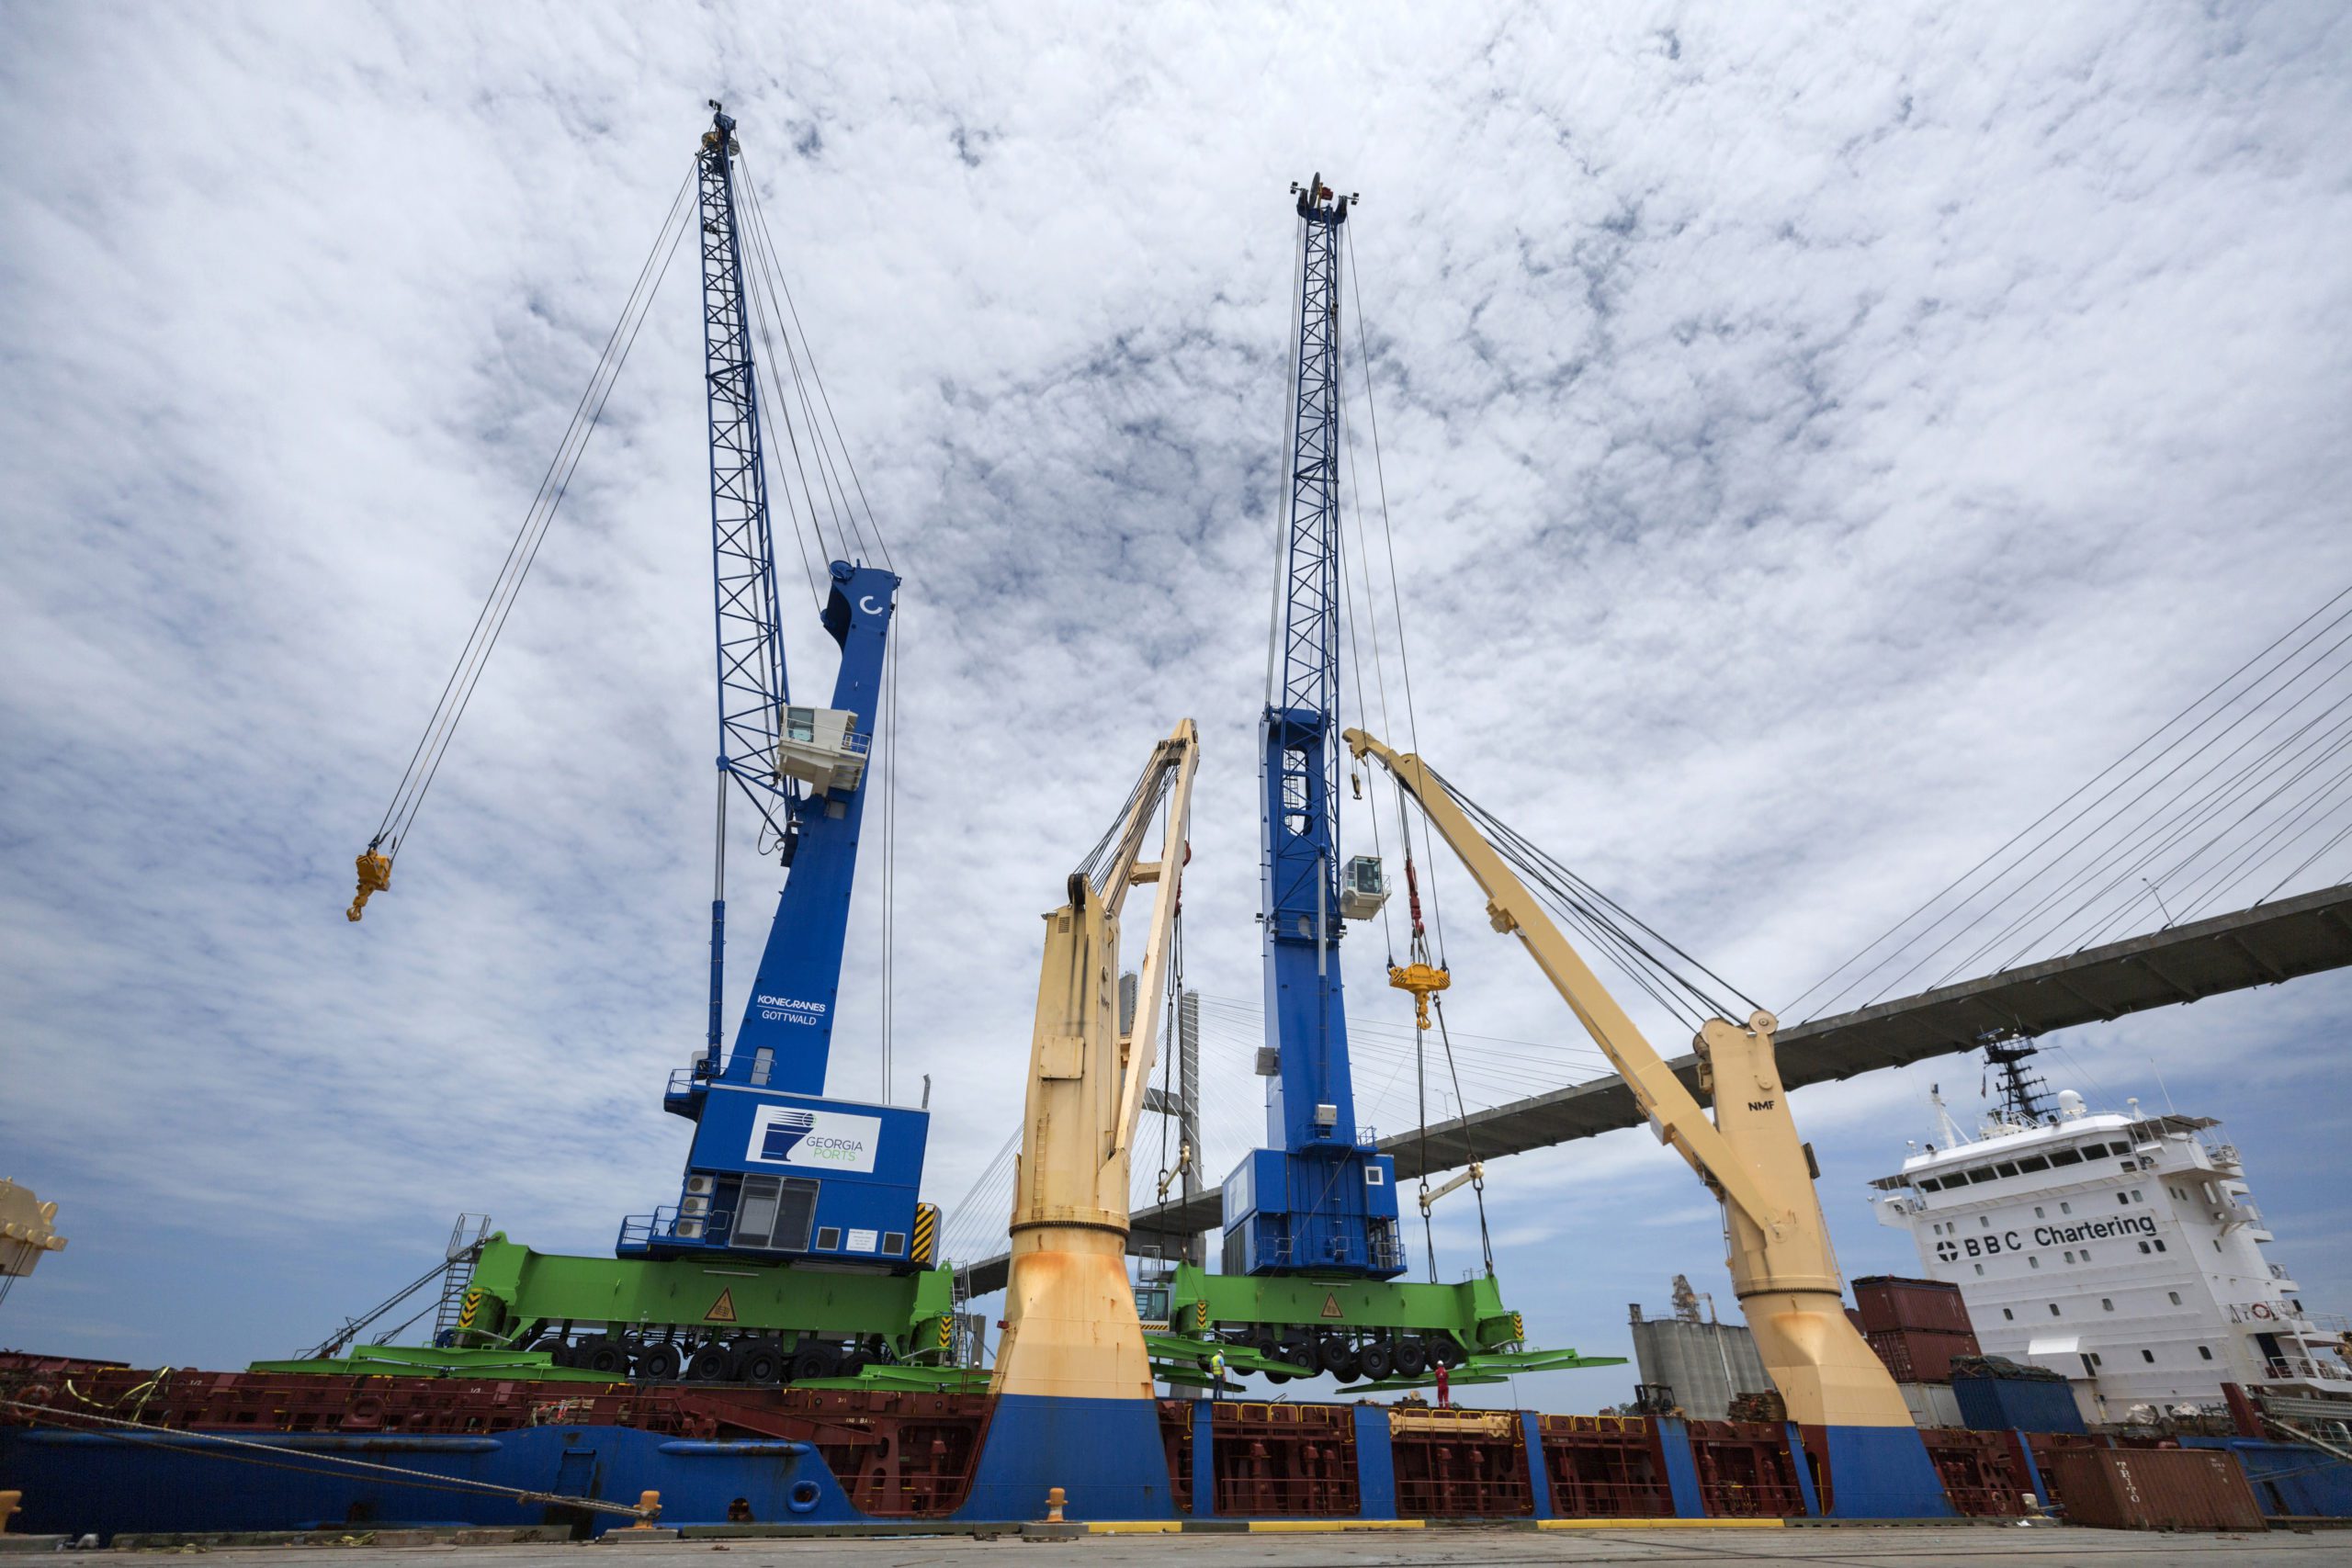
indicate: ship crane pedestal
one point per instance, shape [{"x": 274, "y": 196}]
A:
[{"x": 1073, "y": 1380}]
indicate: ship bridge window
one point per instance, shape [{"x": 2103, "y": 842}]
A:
[
  {"x": 2006, "y": 1168},
  {"x": 2106, "y": 1303},
  {"x": 2148, "y": 1357},
  {"x": 2037, "y": 1212},
  {"x": 2065, "y": 1157},
  {"x": 2174, "y": 1295},
  {"x": 2032, "y": 1261},
  {"x": 2206, "y": 1351},
  {"x": 2065, "y": 1208},
  {"x": 2053, "y": 1309},
  {"x": 1929, "y": 1184},
  {"x": 2007, "y": 1315},
  {"x": 1980, "y": 1173},
  {"x": 2033, "y": 1162}
]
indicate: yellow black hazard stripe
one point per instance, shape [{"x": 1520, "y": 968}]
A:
[
  {"x": 470, "y": 1308},
  {"x": 926, "y": 1232}
]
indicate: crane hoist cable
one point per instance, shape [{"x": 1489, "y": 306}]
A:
[{"x": 374, "y": 865}]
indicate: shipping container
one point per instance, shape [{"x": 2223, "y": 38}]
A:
[
  {"x": 2018, "y": 1404},
  {"x": 2154, "y": 1489},
  {"x": 1888, "y": 1303},
  {"x": 1919, "y": 1355},
  {"x": 1932, "y": 1405}
]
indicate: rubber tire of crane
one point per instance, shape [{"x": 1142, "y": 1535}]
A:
[
  {"x": 1337, "y": 1357},
  {"x": 1445, "y": 1350},
  {"x": 660, "y": 1363},
  {"x": 1300, "y": 1353},
  {"x": 602, "y": 1354},
  {"x": 851, "y": 1363},
  {"x": 815, "y": 1361},
  {"x": 1411, "y": 1358},
  {"x": 1375, "y": 1362},
  {"x": 555, "y": 1350},
  {"x": 762, "y": 1362},
  {"x": 713, "y": 1363}
]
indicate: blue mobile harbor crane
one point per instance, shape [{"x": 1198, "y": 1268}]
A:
[
  {"x": 810, "y": 1203},
  {"x": 1320, "y": 1199},
  {"x": 1312, "y": 1250},
  {"x": 777, "y": 1169}
]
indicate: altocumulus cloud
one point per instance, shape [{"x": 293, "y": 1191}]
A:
[{"x": 1813, "y": 442}]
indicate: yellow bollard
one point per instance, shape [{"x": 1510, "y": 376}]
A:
[
  {"x": 648, "y": 1508},
  {"x": 11, "y": 1505},
  {"x": 1055, "y": 1498}
]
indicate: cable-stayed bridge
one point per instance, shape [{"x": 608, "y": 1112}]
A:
[{"x": 2308, "y": 933}]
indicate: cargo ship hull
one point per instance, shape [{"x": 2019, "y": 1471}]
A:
[{"x": 112, "y": 1451}]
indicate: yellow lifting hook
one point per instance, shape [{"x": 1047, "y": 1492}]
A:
[
  {"x": 375, "y": 876},
  {"x": 1418, "y": 979}
]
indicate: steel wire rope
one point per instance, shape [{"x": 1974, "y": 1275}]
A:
[
  {"x": 408, "y": 796},
  {"x": 2316, "y": 754},
  {"x": 1469, "y": 1144},
  {"x": 2342, "y": 833},
  {"x": 769, "y": 270},
  {"x": 817, "y": 372},
  {"x": 2113, "y": 817},
  {"x": 761, "y": 322},
  {"x": 1567, "y": 893},
  {"x": 835, "y": 502},
  {"x": 1380, "y": 664},
  {"x": 2096, "y": 827},
  {"x": 2004, "y": 848},
  {"x": 1404, "y": 658},
  {"x": 845, "y": 523},
  {"x": 1379, "y": 1036},
  {"x": 2230, "y": 874},
  {"x": 2167, "y": 831},
  {"x": 1896, "y": 953},
  {"x": 2234, "y": 857},
  {"x": 2185, "y": 822}
]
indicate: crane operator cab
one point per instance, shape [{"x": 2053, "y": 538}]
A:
[{"x": 791, "y": 1178}]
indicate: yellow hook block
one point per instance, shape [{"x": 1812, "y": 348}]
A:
[
  {"x": 375, "y": 876},
  {"x": 1421, "y": 979}
]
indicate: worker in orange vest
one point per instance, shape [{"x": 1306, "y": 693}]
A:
[{"x": 1441, "y": 1401}]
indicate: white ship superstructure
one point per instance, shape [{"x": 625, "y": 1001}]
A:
[{"x": 2124, "y": 1251}]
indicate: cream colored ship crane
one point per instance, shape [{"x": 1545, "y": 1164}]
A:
[
  {"x": 1070, "y": 1328},
  {"x": 1782, "y": 1267}
]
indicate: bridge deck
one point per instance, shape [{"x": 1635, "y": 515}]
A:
[{"x": 2266, "y": 945}]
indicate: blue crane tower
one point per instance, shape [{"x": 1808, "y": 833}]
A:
[
  {"x": 1319, "y": 1199},
  {"x": 778, "y": 1171}
]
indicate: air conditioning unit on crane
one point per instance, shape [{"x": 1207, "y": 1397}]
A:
[
  {"x": 688, "y": 1230},
  {"x": 821, "y": 746},
  {"x": 1363, "y": 888}
]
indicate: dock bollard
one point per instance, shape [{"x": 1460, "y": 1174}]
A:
[
  {"x": 1055, "y": 1498},
  {"x": 11, "y": 1505},
  {"x": 648, "y": 1508}
]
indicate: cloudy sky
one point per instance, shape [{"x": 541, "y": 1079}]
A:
[{"x": 1813, "y": 447}]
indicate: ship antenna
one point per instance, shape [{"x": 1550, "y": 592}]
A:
[{"x": 2022, "y": 1090}]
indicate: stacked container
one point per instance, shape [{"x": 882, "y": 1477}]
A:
[{"x": 1917, "y": 1326}]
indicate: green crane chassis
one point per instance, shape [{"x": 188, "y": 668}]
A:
[
  {"x": 545, "y": 1316},
  {"x": 1390, "y": 1334},
  {"x": 537, "y": 1315}
]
